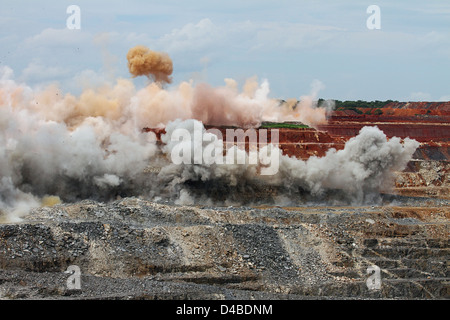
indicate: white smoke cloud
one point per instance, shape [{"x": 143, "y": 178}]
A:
[
  {"x": 93, "y": 146},
  {"x": 365, "y": 165},
  {"x": 361, "y": 170},
  {"x": 39, "y": 156}
]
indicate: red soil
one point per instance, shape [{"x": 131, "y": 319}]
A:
[{"x": 426, "y": 122}]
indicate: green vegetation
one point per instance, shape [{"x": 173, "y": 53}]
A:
[
  {"x": 354, "y": 105},
  {"x": 350, "y": 105},
  {"x": 358, "y": 106},
  {"x": 378, "y": 112},
  {"x": 271, "y": 125},
  {"x": 354, "y": 109}
]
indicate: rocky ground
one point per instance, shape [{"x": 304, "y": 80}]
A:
[
  {"x": 427, "y": 178},
  {"x": 137, "y": 249},
  {"x": 133, "y": 248}
]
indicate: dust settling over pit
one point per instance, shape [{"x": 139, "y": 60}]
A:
[{"x": 56, "y": 146}]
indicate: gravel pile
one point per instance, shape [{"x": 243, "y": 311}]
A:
[{"x": 137, "y": 249}]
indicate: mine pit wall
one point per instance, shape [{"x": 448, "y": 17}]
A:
[
  {"x": 426, "y": 122},
  {"x": 304, "y": 143},
  {"x": 422, "y": 132},
  {"x": 434, "y": 138},
  {"x": 427, "y": 178},
  {"x": 301, "y": 143},
  {"x": 438, "y": 108},
  {"x": 427, "y": 174}
]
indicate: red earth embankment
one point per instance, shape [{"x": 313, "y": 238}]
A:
[
  {"x": 427, "y": 174},
  {"x": 426, "y": 122},
  {"x": 301, "y": 143}
]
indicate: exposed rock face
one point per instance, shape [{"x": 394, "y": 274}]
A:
[
  {"x": 426, "y": 122},
  {"x": 425, "y": 178},
  {"x": 133, "y": 248}
]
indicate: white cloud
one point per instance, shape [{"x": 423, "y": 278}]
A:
[
  {"x": 246, "y": 35},
  {"x": 444, "y": 98},
  {"x": 90, "y": 78},
  {"x": 6, "y": 74},
  {"x": 420, "y": 96},
  {"x": 251, "y": 36},
  {"x": 137, "y": 38},
  {"x": 192, "y": 37},
  {"x": 49, "y": 38},
  {"x": 36, "y": 70},
  {"x": 292, "y": 42}
]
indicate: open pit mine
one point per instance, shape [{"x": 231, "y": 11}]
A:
[
  {"x": 138, "y": 248},
  {"x": 426, "y": 174},
  {"x": 93, "y": 205}
]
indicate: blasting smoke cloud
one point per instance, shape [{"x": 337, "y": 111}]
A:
[
  {"x": 365, "y": 166},
  {"x": 60, "y": 147},
  {"x": 145, "y": 62}
]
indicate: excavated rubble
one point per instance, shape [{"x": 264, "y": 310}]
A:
[{"x": 132, "y": 248}]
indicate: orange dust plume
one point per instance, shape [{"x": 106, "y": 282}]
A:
[{"x": 144, "y": 62}]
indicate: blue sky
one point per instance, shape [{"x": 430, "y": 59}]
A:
[{"x": 291, "y": 43}]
